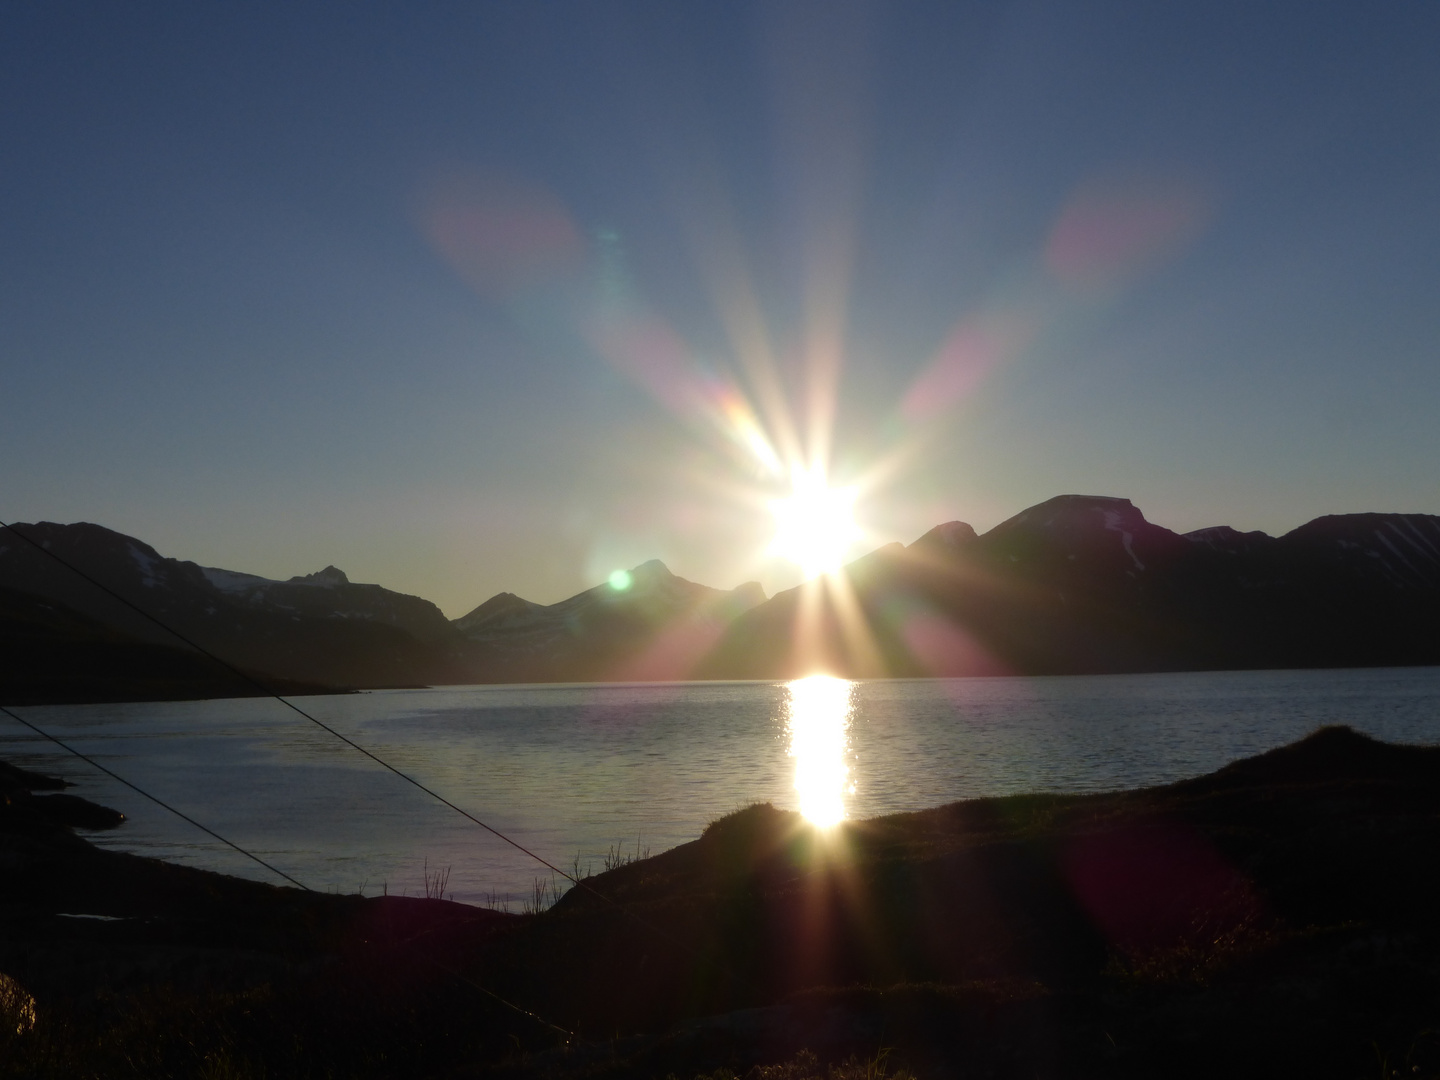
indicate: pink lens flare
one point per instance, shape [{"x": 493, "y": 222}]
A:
[
  {"x": 659, "y": 360},
  {"x": 975, "y": 346},
  {"x": 502, "y": 236},
  {"x": 1109, "y": 232},
  {"x": 1158, "y": 885},
  {"x": 945, "y": 650}
]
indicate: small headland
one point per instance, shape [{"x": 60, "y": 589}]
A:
[{"x": 1279, "y": 917}]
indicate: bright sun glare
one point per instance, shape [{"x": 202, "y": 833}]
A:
[{"x": 815, "y": 524}]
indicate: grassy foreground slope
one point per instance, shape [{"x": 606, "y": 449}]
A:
[{"x": 1278, "y": 917}]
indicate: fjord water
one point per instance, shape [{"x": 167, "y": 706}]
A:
[{"x": 573, "y": 772}]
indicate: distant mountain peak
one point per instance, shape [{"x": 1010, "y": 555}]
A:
[
  {"x": 330, "y": 577},
  {"x": 651, "y": 570},
  {"x": 1229, "y": 540},
  {"x": 1077, "y": 519},
  {"x": 748, "y": 594},
  {"x": 1063, "y": 509},
  {"x": 949, "y": 536}
]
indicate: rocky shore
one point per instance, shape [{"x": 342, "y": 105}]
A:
[{"x": 1280, "y": 917}]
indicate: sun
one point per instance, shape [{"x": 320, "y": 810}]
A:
[{"x": 815, "y": 524}]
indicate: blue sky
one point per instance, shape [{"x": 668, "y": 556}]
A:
[{"x": 465, "y": 298}]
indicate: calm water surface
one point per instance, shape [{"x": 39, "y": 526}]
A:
[{"x": 574, "y": 771}]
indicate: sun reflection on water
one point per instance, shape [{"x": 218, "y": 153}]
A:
[{"x": 819, "y": 729}]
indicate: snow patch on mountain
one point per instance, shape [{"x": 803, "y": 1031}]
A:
[
  {"x": 1115, "y": 522},
  {"x": 233, "y": 581},
  {"x": 147, "y": 561}
]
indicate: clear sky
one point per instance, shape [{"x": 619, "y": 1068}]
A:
[{"x": 476, "y": 297}]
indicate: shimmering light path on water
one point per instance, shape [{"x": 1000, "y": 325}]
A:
[
  {"x": 573, "y": 771},
  {"x": 818, "y": 723}
]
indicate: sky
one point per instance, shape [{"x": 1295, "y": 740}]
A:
[{"x": 465, "y": 298}]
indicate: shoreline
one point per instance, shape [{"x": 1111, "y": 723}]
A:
[
  {"x": 1089, "y": 734},
  {"x": 33, "y": 698},
  {"x": 1275, "y": 917}
]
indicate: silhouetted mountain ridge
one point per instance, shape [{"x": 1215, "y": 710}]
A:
[
  {"x": 1084, "y": 584},
  {"x": 319, "y": 629},
  {"x": 1076, "y": 584},
  {"x": 49, "y": 653},
  {"x": 315, "y": 630},
  {"x": 657, "y": 626}
]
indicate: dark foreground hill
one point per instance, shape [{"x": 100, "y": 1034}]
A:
[{"x": 1275, "y": 918}]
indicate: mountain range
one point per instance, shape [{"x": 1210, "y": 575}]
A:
[
  {"x": 1084, "y": 584},
  {"x": 1077, "y": 584}
]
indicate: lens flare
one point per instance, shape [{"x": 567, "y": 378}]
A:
[
  {"x": 650, "y": 352},
  {"x": 502, "y": 235},
  {"x": 819, "y": 729},
  {"x": 815, "y": 524},
  {"x": 1109, "y": 232}
]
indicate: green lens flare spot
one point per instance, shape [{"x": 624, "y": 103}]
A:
[{"x": 621, "y": 580}]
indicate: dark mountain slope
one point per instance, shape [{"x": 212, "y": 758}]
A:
[
  {"x": 658, "y": 627},
  {"x": 1082, "y": 584},
  {"x": 1077, "y": 584},
  {"x": 320, "y": 628},
  {"x": 50, "y": 654}
]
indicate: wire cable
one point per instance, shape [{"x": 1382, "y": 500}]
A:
[
  {"x": 461, "y": 976},
  {"x": 268, "y": 692},
  {"x": 251, "y": 680},
  {"x": 157, "y": 801}
]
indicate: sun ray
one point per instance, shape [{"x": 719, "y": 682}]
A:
[
  {"x": 862, "y": 652},
  {"x": 740, "y": 313}
]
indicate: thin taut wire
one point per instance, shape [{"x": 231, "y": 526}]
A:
[
  {"x": 157, "y": 801},
  {"x": 268, "y": 692},
  {"x": 574, "y": 879},
  {"x": 569, "y": 1035}
]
